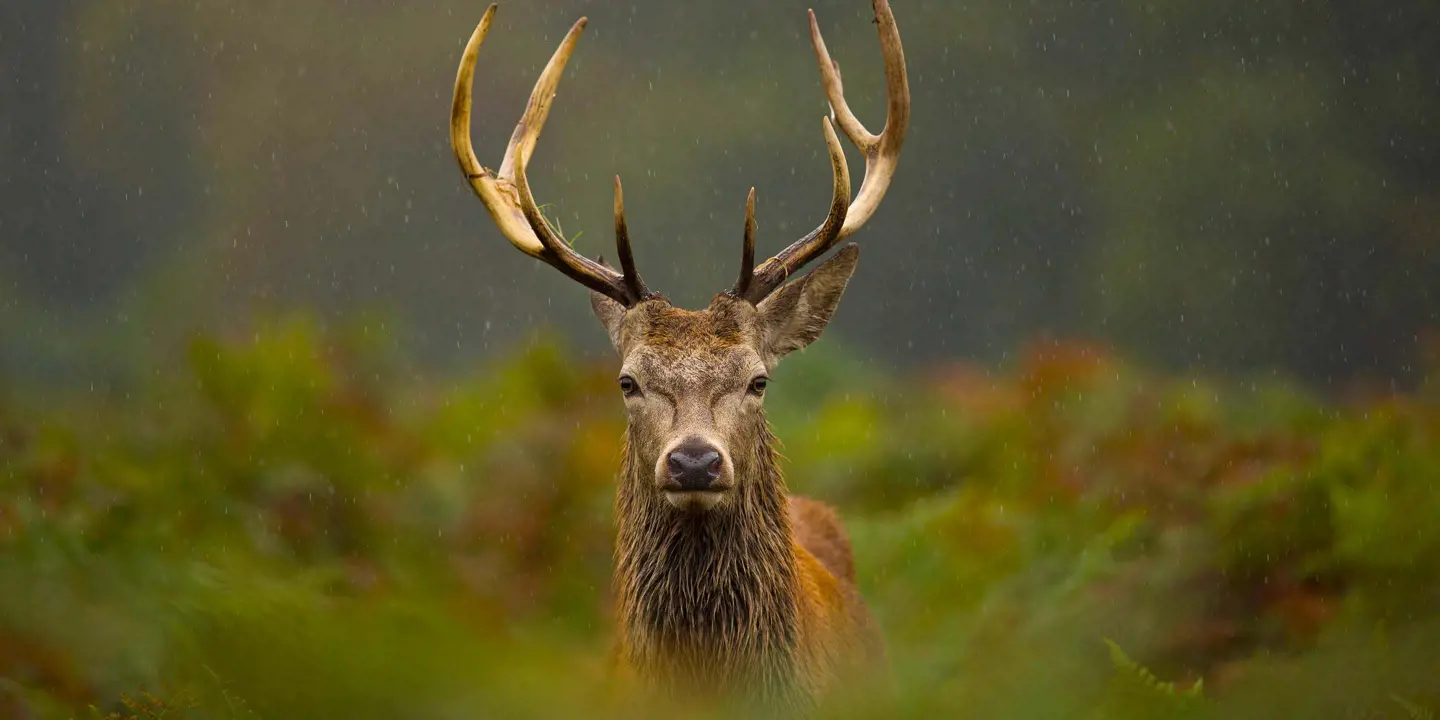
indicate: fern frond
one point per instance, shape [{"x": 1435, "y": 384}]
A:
[
  {"x": 1136, "y": 693},
  {"x": 1125, "y": 665}
]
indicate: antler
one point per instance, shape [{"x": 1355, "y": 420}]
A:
[
  {"x": 882, "y": 153},
  {"x": 506, "y": 194}
]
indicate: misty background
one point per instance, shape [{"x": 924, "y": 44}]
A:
[{"x": 1226, "y": 187}]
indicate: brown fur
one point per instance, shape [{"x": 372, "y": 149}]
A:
[
  {"x": 817, "y": 528},
  {"x": 755, "y": 597}
]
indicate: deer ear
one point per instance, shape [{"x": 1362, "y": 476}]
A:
[
  {"x": 611, "y": 314},
  {"x": 795, "y": 315}
]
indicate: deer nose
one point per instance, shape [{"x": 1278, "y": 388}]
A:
[{"x": 694, "y": 467}]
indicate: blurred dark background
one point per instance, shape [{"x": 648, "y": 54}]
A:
[{"x": 1230, "y": 187}]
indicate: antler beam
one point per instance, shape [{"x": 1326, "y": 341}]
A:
[
  {"x": 506, "y": 194},
  {"x": 882, "y": 154}
]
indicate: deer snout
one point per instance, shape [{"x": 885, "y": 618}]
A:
[{"x": 692, "y": 467}]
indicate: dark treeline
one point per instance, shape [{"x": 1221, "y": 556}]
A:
[{"x": 1230, "y": 186}]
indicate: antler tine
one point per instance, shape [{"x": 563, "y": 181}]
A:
[
  {"x": 774, "y": 271},
  {"x": 537, "y": 109},
  {"x": 633, "y": 283},
  {"x": 506, "y": 194},
  {"x": 835, "y": 92},
  {"x": 561, "y": 256},
  {"x": 747, "y": 251},
  {"x": 503, "y": 211},
  {"x": 882, "y": 153}
]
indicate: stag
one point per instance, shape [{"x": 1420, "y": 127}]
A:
[{"x": 724, "y": 582}]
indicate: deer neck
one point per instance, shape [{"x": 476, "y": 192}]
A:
[{"x": 709, "y": 598}]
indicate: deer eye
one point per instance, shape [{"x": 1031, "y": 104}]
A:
[
  {"x": 757, "y": 386},
  {"x": 628, "y": 385}
]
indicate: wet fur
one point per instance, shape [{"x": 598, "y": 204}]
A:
[{"x": 755, "y": 598}]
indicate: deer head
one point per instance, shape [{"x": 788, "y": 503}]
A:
[{"x": 694, "y": 382}]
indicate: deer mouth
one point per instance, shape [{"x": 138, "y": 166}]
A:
[{"x": 694, "y": 500}]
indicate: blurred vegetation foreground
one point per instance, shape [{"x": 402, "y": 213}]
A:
[{"x": 291, "y": 526}]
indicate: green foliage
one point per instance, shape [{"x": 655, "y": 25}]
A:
[{"x": 286, "y": 526}]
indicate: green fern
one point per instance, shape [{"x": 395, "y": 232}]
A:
[
  {"x": 1126, "y": 666},
  {"x": 1135, "y": 692}
]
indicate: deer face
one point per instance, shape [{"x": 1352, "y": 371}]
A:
[{"x": 694, "y": 382}]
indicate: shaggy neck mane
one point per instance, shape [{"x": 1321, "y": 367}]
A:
[{"x": 707, "y": 600}]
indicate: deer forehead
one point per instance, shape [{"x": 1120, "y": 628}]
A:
[
  {"x": 685, "y": 373},
  {"x": 692, "y": 349}
]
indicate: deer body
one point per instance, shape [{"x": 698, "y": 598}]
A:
[{"x": 726, "y": 585}]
